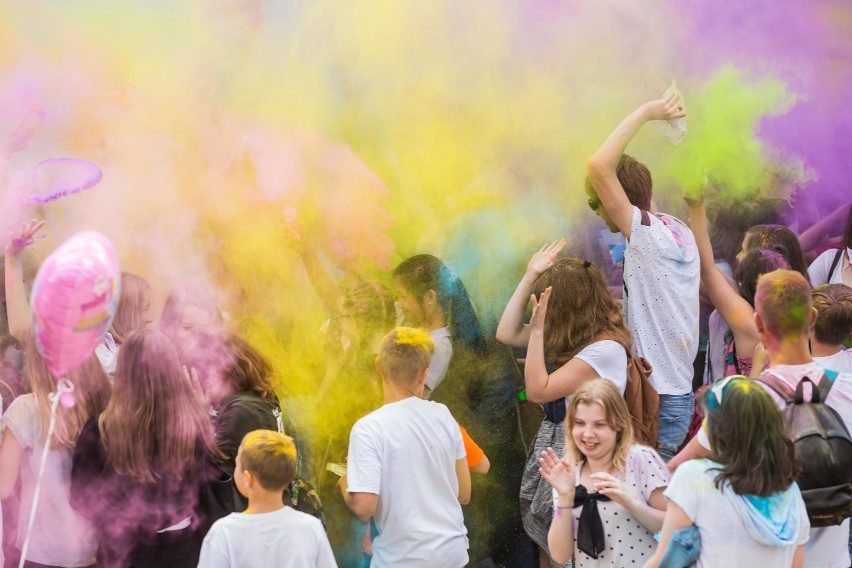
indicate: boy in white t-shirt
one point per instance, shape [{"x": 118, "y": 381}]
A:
[
  {"x": 661, "y": 268},
  {"x": 832, "y": 327},
  {"x": 268, "y": 533},
  {"x": 407, "y": 467}
]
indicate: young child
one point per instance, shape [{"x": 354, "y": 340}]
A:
[
  {"x": 407, "y": 467},
  {"x": 268, "y": 533}
]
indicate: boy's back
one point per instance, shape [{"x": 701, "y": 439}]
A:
[
  {"x": 284, "y": 538},
  {"x": 406, "y": 453}
]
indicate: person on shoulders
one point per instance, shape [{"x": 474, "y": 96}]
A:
[
  {"x": 661, "y": 268},
  {"x": 407, "y": 468},
  {"x": 267, "y": 533}
]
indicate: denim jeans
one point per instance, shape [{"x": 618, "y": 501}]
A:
[
  {"x": 684, "y": 548},
  {"x": 675, "y": 417}
]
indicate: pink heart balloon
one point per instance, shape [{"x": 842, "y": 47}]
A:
[{"x": 74, "y": 299}]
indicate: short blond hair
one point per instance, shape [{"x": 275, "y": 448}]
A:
[
  {"x": 783, "y": 301},
  {"x": 269, "y": 456},
  {"x": 404, "y": 354}
]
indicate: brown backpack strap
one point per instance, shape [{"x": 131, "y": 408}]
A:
[{"x": 781, "y": 388}]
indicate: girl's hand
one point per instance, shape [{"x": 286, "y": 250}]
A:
[
  {"x": 609, "y": 485},
  {"x": 759, "y": 360},
  {"x": 694, "y": 199},
  {"x": 19, "y": 241},
  {"x": 539, "y": 310},
  {"x": 668, "y": 108},
  {"x": 559, "y": 473},
  {"x": 545, "y": 257}
]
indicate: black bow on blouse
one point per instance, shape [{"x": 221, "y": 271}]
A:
[{"x": 590, "y": 533}]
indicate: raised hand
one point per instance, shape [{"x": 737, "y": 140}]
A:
[
  {"x": 667, "y": 108},
  {"x": 22, "y": 239},
  {"x": 694, "y": 198},
  {"x": 558, "y": 472},
  {"x": 545, "y": 257},
  {"x": 539, "y": 309}
]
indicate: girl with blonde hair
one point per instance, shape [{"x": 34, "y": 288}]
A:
[{"x": 606, "y": 485}]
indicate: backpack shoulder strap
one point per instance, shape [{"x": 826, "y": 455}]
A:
[
  {"x": 834, "y": 263},
  {"x": 825, "y": 383},
  {"x": 780, "y": 387}
]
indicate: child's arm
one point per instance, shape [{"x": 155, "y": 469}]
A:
[
  {"x": 512, "y": 330},
  {"x": 693, "y": 450},
  {"x": 324, "y": 284},
  {"x": 463, "y": 473},
  {"x": 601, "y": 166},
  {"x": 17, "y": 306},
  {"x": 812, "y": 237},
  {"x": 477, "y": 461},
  {"x": 362, "y": 505}
]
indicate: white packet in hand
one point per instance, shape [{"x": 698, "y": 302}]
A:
[{"x": 674, "y": 129}]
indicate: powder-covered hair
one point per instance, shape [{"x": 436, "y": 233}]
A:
[
  {"x": 771, "y": 237},
  {"x": 580, "y": 308},
  {"x": 748, "y": 439},
  {"x": 133, "y": 302},
  {"x": 604, "y": 393},
  {"x": 249, "y": 370},
  {"x": 154, "y": 412},
  {"x": 91, "y": 394},
  {"x": 833, "y": 303},
  {"x": 783, "y": 301},
  {"x": 754, "y": 265},
  {"x": 269, "y": 456},
  {"x": 404, "y": 354}
]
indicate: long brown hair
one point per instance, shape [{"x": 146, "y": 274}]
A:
[
  {"x": 748, "y": 438},
  {"x": 580, "y": 308},
  {"x": 249, "y": 370},
  {"x": 133, "y": 303},
  {"x": 153, "y": 412},
  {"x": 91, "y": 394},
  {"x": 605, "y": 393}
]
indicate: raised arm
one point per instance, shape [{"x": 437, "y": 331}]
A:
[
  {"x": 17, "y": 305},
  {"x": 815, "y": 235},
  {"x": 733, "y": 308},
  {"x": 326, "y": 287},
  {"x": 542, "y": 386},
  {"x": 512, "y": 330},
  {"x": 601, "y": 166}
]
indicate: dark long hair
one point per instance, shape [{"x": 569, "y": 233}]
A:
[
  {"x": 749, "y": 440},
  {"x": 754, "y": 265},
  {"x": 771, "y": 236},
  {"x": 847, "y": 232},
  {"x": 424, "y": 272}
]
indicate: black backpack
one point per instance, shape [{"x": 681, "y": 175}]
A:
[{"x": 823, "y": 449}]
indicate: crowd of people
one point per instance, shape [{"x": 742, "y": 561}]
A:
[{"x": 180, "y": 451}]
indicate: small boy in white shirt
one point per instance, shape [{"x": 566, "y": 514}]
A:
[
  {"x": 268, "y": 533},
  {"x": 832, "y": 327},
  {"x": 407, "y": 467}
]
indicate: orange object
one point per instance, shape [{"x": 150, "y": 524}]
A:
[{"x": 474, "y": 452}]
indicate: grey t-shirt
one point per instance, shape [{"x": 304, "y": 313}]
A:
[{"x": 60, "y": 537}]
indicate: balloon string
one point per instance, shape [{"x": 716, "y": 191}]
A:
[{"x": 62, "y": 386}]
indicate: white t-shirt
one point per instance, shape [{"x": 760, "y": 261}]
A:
[
  {"x": 661, "y": 277},
  {"x": 60, "y": 537},
  {"x": 725, "y": 540},
  {"x": 440, "y": 361},
  {"x": 840, "y": 362},
  {"x": 819, "y": 268},
  {"x": 285, "y": 538},
  {"x": 828, "y": 546},
  {"x": 609, "y": 360},
  {"x": 406, "y": 452}
]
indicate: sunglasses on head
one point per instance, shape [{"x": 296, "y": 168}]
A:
[{"x": 717, "y": 391}]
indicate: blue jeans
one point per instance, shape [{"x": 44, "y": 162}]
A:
[{"x": 675, "y": 417}]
